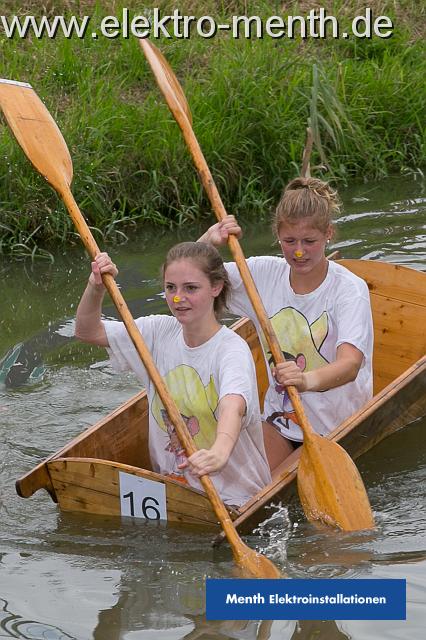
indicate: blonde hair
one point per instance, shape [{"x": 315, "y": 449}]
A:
[
  {"x": 307, "y": 198},
  {"x": 209, "y": 261}
]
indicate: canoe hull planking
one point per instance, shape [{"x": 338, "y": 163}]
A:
[{"x": 102, "y": 487}]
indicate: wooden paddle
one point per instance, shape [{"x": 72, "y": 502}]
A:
[
  {"x": 330, "y": 486},
  {"x": 43, "y": 144}
]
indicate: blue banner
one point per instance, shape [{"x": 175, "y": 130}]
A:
[{"x": 317, "y": 599}]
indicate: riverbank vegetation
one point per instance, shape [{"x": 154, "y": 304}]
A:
[{"x": 251, "y": 101}]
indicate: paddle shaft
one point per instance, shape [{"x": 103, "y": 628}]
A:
[{"x": 238, "y": 255}]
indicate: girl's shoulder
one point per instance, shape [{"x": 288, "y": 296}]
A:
[
  {"x": 273, "y": 262},
  {"x": 231, "y": 354},
  {"x": 260, "y": 262},
  {"x": 160, "y": 324},
  {"x": 268, "y": 266},
  {"x": 228, "y": 339},
  {"x": 346, "y": 280}
]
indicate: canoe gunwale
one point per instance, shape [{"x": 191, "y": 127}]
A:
[{"x": 128, "y": 468}]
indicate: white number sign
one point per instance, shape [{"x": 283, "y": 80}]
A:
[{"x": 142, "y": 498}]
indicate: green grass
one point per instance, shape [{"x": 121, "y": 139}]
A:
[{"x": 251, "y": 102}]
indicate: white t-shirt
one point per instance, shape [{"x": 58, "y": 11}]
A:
[
  {"x": 309, "y": 328},
  {"x": 197, "y": 378}
]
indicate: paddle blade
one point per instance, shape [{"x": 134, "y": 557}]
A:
[
  {"x": 255, "y": 565},
  {"x": 330, "y": 486},
  {"x": 166, "y": 79},
  {"x": 36, "y": 132}
]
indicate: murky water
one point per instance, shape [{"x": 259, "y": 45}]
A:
[{"x": 68, "y": 576}]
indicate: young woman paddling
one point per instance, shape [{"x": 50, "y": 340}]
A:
[
  {"x": 320, "y": 312},
  {"x": 207, "y": 367}
]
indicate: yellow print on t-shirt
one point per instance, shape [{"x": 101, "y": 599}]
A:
[
  {"x": 301, "y": 342},
  {"x": 298, "y": 338},
  {"x": 196, "y": 403}
]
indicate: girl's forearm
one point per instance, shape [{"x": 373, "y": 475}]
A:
[
  {"x": 203, "y": 461},
  {"x": 331, "y": 375},
  {"x": 231, "y": 411}
]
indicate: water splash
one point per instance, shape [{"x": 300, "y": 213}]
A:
[{"x": 276, "y": 531}]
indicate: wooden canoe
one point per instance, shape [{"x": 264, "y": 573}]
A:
[{"x": 106, "y": 469}]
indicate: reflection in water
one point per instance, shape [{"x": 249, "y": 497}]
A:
[
  {"x": 129, "y": 615},
  {"x": 163, "y": 597},
  {"x": 222, "y": 629},
  {"x": 318, "y": 630}
]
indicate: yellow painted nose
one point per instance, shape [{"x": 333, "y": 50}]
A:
[
  {"x": 176, "y": 299},
  {"x": 298, "y": 254}
]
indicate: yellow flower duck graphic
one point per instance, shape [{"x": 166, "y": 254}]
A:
[
  {"x": 197, "y": 405},
  {"x": 301, "y": 342}
]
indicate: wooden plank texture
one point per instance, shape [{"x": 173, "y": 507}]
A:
[{"x": 92, "y": 486}]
